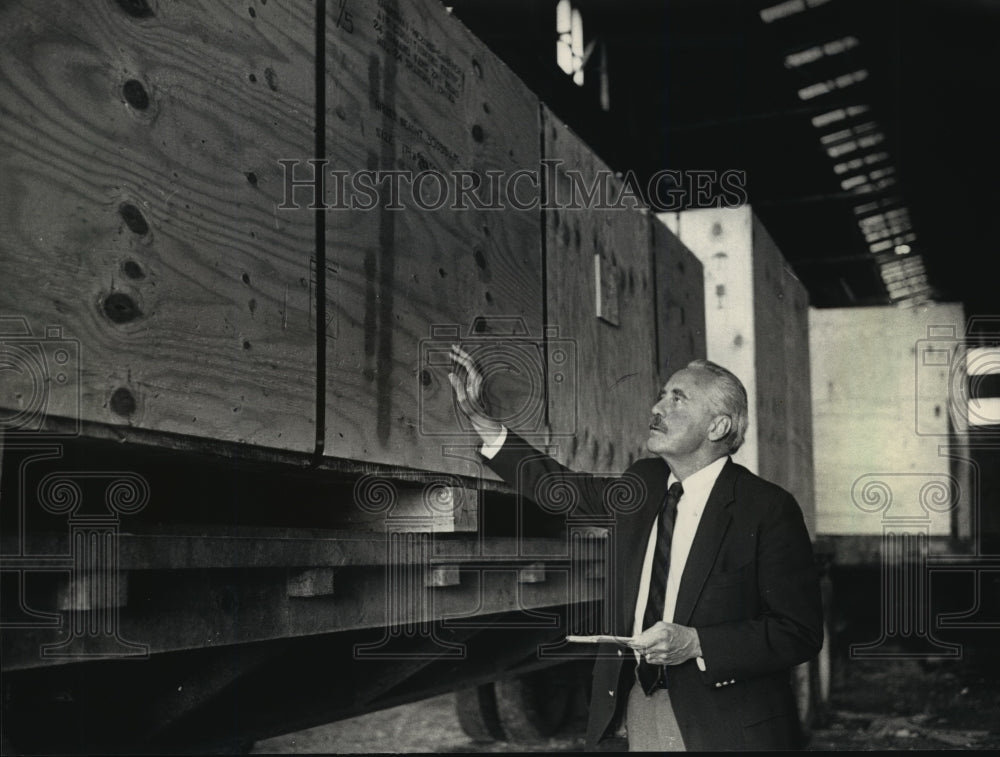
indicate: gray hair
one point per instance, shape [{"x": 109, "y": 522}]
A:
[{"x": 729, "y": 398}]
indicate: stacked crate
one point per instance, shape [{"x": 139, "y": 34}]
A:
[
  {"x": 179, "y": 206},
  {"x": 757, "y": 323}
]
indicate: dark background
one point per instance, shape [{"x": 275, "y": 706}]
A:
[{"x": 703, "y": 84}]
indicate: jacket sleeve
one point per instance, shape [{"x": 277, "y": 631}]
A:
[
  {"x": 554, "y": 488},
  {"x": 787, "y": 629}
]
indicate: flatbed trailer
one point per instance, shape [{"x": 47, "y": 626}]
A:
[{"x": 236, "y": 496}]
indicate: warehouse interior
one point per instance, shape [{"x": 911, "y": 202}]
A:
[
  {"x": 795, "y": 93},
  {"x": 301, "y": 549}
]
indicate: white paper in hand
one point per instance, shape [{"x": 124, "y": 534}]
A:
[{"x": 601, "y": 639}]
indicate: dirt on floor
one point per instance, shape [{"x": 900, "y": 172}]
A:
[
  {"x": 900, "y": 704},
  {"x": 912, "y": 704}
]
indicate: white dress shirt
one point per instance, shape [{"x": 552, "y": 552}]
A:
[
  {"x": 490, "y": 449},
  {"x": 690, "y": 506}
]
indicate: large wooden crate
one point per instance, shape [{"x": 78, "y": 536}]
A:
[
  {"x": 410, "y": 89},
  {"x": 680, "y": 302},
  {"x": 601, "y": 307},
  {"x": 882, "y": 408},
  {"x": 147, "y": 278},
  {"x": 784, "y": 408},
  {"x": 757, "y": 324},
  {"x": 147, "y": 150}
]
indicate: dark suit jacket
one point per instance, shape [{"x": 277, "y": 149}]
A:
[{"x": 750, "y": 587}]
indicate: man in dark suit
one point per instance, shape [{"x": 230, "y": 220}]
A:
[{"x": 715, "y": 582}]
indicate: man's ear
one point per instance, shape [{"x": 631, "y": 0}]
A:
[{"x": 720, "y": 428}]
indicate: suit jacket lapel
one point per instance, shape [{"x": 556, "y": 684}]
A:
[{"x": 707, "y": 541}]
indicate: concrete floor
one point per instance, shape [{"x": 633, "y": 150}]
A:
[{"x": 875, "y": 705}]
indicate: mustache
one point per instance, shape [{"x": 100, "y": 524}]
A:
[{"x": 656, "y": 423}]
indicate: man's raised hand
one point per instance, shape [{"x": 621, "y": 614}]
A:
[{"x": 467, "y": 382}]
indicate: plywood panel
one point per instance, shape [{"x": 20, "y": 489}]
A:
[
  {"x": 880, "y": 414},
  {"x": 139, "y": 182},
  {"x": 722, "y": 240},
  {"x": 680, "y": 302},
  {"x": 756, "y": 314},
  {"x": 781, "y": 326},
  {"x": 599, "y": 409},
  {"x": 410, "y": 89},
  {"x": 799, "y": 449}
]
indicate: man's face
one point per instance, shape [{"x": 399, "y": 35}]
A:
[{"x": 682, "y": 415}]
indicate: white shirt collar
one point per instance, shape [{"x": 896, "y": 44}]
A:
[{"x": 699, "y": 484}]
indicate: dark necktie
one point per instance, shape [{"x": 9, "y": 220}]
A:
[{"x": 654, "y": 676}]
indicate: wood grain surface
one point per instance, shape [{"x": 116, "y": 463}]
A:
[
  {"x": 784, "y": 394},
  {"x": 602, "y": 377},
  {"x": 410, "y": 89},
  {"x": 139, "y": 187},
  {"x": 680, "y": 302}
]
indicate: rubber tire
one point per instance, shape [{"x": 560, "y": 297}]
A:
[
  {"x": 476, "y": 708},
  {"x": 536, "y": 705}
]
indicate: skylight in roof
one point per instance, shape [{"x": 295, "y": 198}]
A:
[
  {"x": 879, "y": 227},
  {"x": 801, "y": 58},
  {"x": 898, "y": 277},
  {"x": 854, "y": 181},
  {"x": 854, "y": 77},
  {"x": 910, "y": 265},
  {"x": 850, "y": 165},
  {"x": 836, "y": 136},
  {"x": 842, "y": 149},
  {"x": 838, "y": 46},
  {"x": 830, "y": 117},
  {"x": 870, "y": 140},
  {"x": 815, "y": 90},
  {"x": 782, "y": 10},
  {"x": 825, "y": 87},
  {"x": 884, "y": 222},
  {"x": 852, "y": 131},
  {"x": 816, "y": 52},
  {"x": 900, "y": 281},
  {"x": 875, "y": 232}
]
